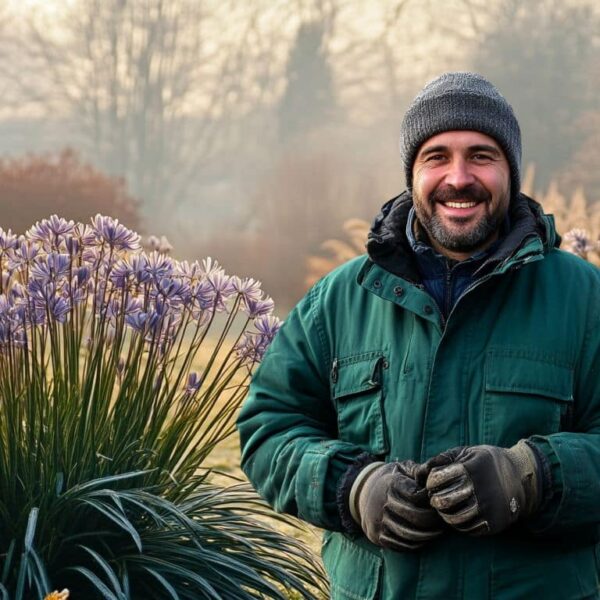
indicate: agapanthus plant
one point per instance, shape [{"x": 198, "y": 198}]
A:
[
  {"x": 579, "y": 242},
  {"x": 120, "y": 370}
]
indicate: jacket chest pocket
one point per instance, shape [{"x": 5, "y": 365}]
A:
[
  {"x": 525, "y": 395},
  {"x": 358, "y": 390}
]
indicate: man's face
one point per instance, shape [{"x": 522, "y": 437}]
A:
[{"x": 461, "y": 191}]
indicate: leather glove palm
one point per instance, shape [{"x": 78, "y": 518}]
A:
[
  {"x": 482, "y": 490},
  {"x": 391, "y": 508}
]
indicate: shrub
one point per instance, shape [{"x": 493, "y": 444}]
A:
[{"x": 34, "y": 186}]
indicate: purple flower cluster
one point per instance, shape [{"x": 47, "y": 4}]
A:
[
  {"x": 253, "y": 345},
  {"x": 62, "y": 272}
]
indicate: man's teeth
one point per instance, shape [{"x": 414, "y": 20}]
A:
[{"x": 461, "y": 204}]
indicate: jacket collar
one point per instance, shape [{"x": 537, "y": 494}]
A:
[{"x": 389, "y": 247}]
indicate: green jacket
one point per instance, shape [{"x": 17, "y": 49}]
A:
[{"x": 365, "y": 362}]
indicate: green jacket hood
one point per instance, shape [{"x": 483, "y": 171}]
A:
[{"x": 388, "y": 246}]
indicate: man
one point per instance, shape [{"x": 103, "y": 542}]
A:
[{"x": 435, "y": 406}]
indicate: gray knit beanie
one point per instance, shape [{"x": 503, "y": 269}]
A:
[{"x": 461, "y": 101}]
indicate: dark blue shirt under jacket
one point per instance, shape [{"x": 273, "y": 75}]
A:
[{"x": 445, "y": 279}]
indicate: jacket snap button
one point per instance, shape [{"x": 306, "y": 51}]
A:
[
  {"x": 428, "y": 310},
  {"x": 377, "y": 283},
  {"x": 398, "y": 291}
]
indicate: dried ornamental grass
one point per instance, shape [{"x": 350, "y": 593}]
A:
[
  {"x": 577, "y": 220},
  {"x": 338, "y": 251},
  {"x": 105, "y": 424}
]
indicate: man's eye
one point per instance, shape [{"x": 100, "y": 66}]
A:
[
  {"x": 482, "y": 157},
  {"x": 435, "y": 157}
]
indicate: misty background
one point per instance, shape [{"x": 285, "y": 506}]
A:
[{"x": 250, "y": 131}]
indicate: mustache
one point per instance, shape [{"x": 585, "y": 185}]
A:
[{"x": 473, "y": 193}]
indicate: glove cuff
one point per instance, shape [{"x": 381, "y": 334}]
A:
[
  {"x": 349, "y": 525},
  {"x": 524, "y": 460},
  {"x": 358, "y": 485},
  {"x": 544, "y": 473}
]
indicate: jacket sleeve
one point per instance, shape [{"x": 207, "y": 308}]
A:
[
  {"x": 574, "y": 456},
  {"x": 288, "y": 424}
]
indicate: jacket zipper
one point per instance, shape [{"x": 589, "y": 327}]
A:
[
  {"x": 448, "y": 291},
  {"x": 334, "y": 370},
  {"x": 482, "y": 280}
]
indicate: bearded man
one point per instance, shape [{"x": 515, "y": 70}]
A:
[{"x": 435, "y": 405}]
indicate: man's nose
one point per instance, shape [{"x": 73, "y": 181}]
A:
[{"x": 459, "y": 174}]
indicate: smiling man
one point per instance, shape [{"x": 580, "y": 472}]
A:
[
  {"x": 435, "y": 405},
  {"x": 461, "y": 191}
]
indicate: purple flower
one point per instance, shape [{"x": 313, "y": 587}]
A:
[
  {"x": 109, "y": 231},
  {"x": 5, "y": 305},
  {"x": 134, "y": 305},
  {"x": 222, "y": 288},
  {"x": 50, "y": 232},
  {"x": 209, "y": 266},
  {"x": 142, "y": 321},
  {"x": 72, "y": 245},
  {"x": 579, "y": 242},
  {"x": 158, "y": 266},
  {"x": 112, "y": 308},
  {"x": 51, "y": 267},
  {"x": 259, "y": 308},
  {"x": 193, "y": 384},
  {"x": 247, "y": 288},
  {"x": 122, "y": 274},
  {"x": 77, "y": 294},
  {"x": 40, "y": 291},
  {"x": 8, "y": 335},
  {"x": 267, "y": 325},
  {"x": 203, "y": 294},
  {"x": 138, "y": 263},
  {"x": 189, "y": 271},
  {"x": 58, "y": 307},
  {"x": 8, "y": 240},
  {"x": 82, "y": 275},
  {"x": 173, "y": 291},
  {"x": 17, "y": 291},
  {"x": 78, "y": 290},
  {"x": 23, "y": 254},
  {"x": 251, "y": 349},
  {"x": 84, "y": 234},
  {"x": 92, "y": 256}
]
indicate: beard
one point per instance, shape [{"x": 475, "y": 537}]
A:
[{"x": 464, "y": 237}]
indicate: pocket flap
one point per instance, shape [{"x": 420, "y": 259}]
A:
[
  {"x": 357, "y": 374},
  {"x": 522, "y": 374},
  {"x": 353, "y": 571}
]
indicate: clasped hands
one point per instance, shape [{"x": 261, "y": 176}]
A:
[{"x": 477, "y": 490}]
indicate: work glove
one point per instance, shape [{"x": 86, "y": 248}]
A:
[
  {"x": 482, "y": 490},
  {"x": 392, "y": 510}
]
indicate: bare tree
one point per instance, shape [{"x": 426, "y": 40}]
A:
[
  {"x": 543, "y": 54},
  {"x": 152, "y": 85}
]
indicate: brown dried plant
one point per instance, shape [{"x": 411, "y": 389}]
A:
[
  {"x": 577, "y": 220},
  {"x": 338, "y": 251}
]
